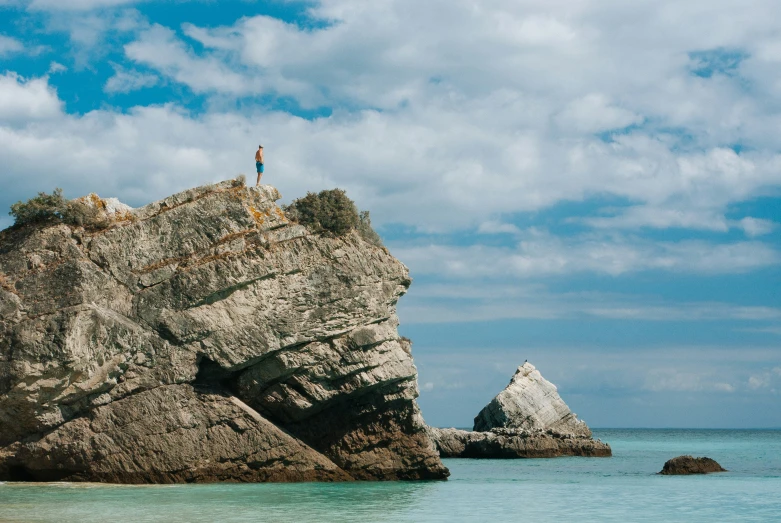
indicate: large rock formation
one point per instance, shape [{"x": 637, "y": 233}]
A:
[
  {"x": 204, "y": 337},
  {"x": 528, "y": 419}
]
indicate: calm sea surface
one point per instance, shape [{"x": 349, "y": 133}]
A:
[{"x": 622, "y": 488}]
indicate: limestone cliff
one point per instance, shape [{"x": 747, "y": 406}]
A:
[
  {"x": 528, "y": 419},
  {"x": 204, "y": 337}
]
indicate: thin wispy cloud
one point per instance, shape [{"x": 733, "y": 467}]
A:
[
  {"x": 541, "y": 254},
  {"x": 491, "y": 301},
  {"x": 9, "y": 46},
  {"x": 125, "y": 81},
  {"x": 77, "y": 5}
]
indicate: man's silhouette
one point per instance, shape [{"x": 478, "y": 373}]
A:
[{"x": 259, "y": 163}]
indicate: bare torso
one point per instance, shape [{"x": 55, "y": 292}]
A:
[{"x": 259, "y": 156}]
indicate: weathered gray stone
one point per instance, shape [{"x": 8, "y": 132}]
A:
[
  {"x": 172, "y": 434},
  {"x": 514, "y": 443},
  {"x": 183, "y": 311},
  {"x": 528, "y": 419},
  {"x": 530, "y": 402}
]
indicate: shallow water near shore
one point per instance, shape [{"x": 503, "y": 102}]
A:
[{"x": 622, "y": 488}]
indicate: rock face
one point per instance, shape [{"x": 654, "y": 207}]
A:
[
  {"x": 204, "y": 337},
  {"x": 528, "y": 419},
  {"x": 514, "y": 443},
  {"x": 530, "y": 402},
  {"x": 684, "y": 465}
]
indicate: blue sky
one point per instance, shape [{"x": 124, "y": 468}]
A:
[{"x": 594, "y": 186}]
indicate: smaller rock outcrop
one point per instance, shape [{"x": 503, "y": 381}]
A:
[
  {"x": 685, "y": 465},
  {"x": 528, "y": 419},
  {"x": 530, "y": 402},
  {"x": 514, "y": 443}
]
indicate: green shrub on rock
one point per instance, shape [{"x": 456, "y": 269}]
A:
[
  {"x": 79, "y": 212},
  {"x": 366, "y": 231},
  {"x": 55, "y": 208},
  {"x": 39, "y": 209},
  {"x": 327, "y": 211},
  {"x": 332, "y": 212}
]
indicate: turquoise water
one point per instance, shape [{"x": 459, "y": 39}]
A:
[{"x": 622, "y": 488}]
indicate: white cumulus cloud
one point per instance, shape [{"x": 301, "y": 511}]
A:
[
  {"x": 505, "y": 103},
  {"x": 158, "y": 47},
  {"x": 448, "y": 118},
  {"x": 594, "y": 113},
  {"x": 23, "y": 100}
]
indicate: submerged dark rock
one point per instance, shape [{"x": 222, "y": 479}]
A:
[
  {"x": 684, "y": 465},
  {"x": 204, "y": 337}
]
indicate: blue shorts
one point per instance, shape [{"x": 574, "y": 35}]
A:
[{"x": 259, "y": 166}]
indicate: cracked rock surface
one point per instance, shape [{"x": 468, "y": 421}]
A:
[
  {"x": 204, "y": 337},
  {"x": 528, "y": 419},
  {"x": 530, "y": 402}
]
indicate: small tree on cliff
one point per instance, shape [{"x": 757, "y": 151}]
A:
[
  {"x": 55, "y": 208},
  {"x": 41, "y": 208},
  {"x": 332, "y": 212}
]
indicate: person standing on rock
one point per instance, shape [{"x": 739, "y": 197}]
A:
[{"x": 259, "y": 163}]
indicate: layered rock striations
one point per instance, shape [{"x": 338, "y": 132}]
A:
[
  {"x": 204, "y": 337},
  {"x": 533, "y": 403},
  {"x": 528, "y": 419},
  {"x": 514, "y": 443}
]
